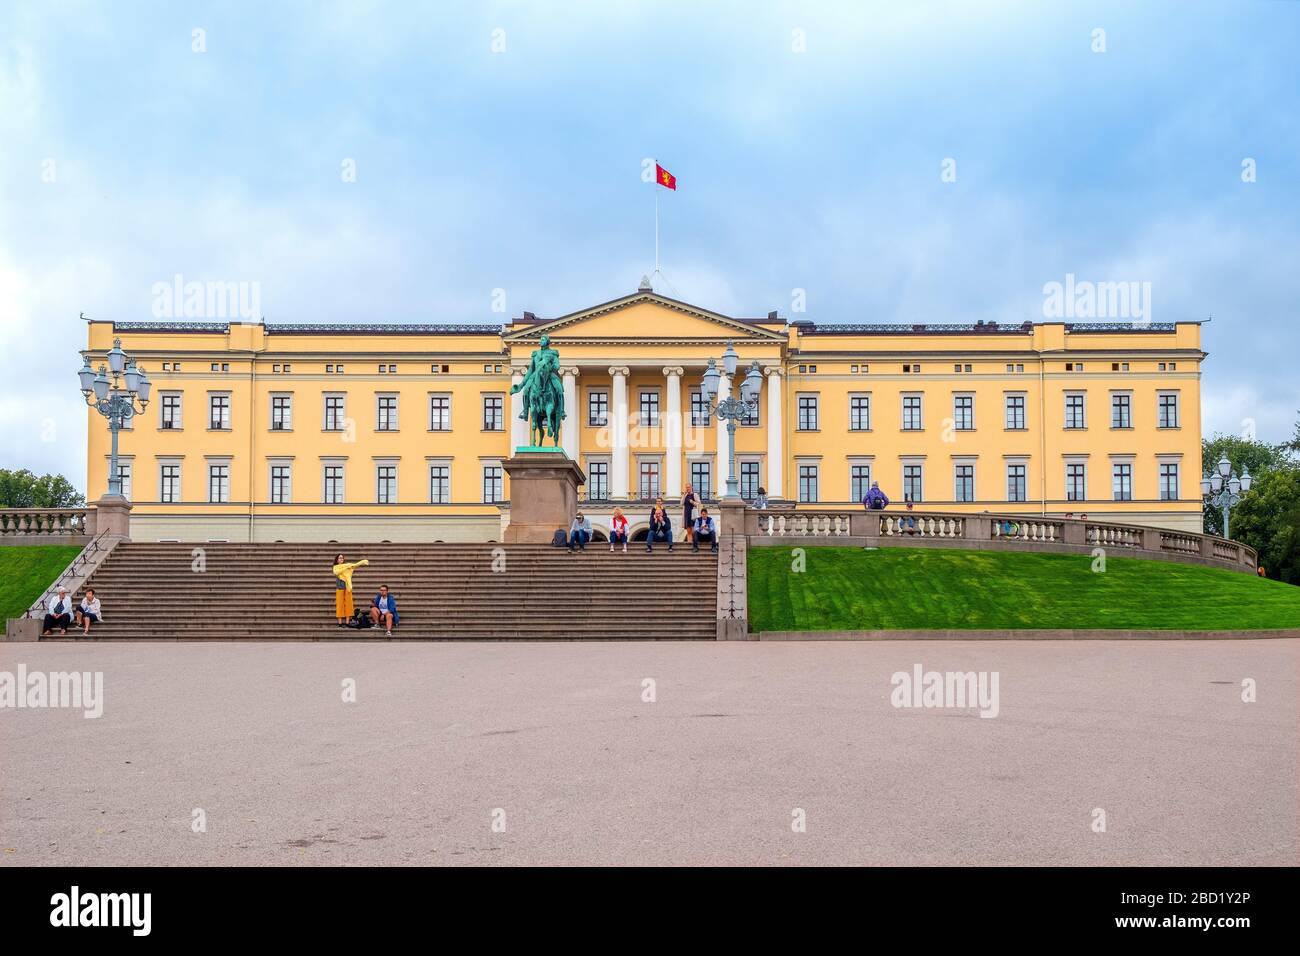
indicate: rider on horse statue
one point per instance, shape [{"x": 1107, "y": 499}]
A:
[{"x": 543, "y": 395}]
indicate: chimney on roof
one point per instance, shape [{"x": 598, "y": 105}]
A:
[
  {"x": 773, "y": 317},
  {"x": 529, "y": 317},
  {"x": 645, "y": 285}
]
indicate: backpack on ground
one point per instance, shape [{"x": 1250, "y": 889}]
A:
[
  {"x": 559, "y": 539},
  {"x": 361, "y": 619}
]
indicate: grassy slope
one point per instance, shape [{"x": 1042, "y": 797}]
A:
[
  {"x": 852, "y": 589},
  {"x": 25, "y": 573}
]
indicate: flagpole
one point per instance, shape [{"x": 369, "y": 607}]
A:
[{"x": 656, "y": 189}]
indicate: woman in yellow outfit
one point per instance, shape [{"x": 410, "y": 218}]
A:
[{"x": 343, "y": 588}]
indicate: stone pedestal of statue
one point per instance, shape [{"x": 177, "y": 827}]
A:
[{"x": 543, "y": 494}]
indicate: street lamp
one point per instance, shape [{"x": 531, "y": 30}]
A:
[
  {"x": 1223, "y": 489},
  {"x": 115, "y": 400},
  {"x": 732, "y": 409}
]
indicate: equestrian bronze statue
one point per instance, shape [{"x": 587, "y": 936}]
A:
[{"x": 543, "y": 395}]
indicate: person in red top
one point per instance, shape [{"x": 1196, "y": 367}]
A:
[{"x": 618, "y": 530}]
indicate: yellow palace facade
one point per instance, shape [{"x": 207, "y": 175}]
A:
[{"x": 287, "y": 432}]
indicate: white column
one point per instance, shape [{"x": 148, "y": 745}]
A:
[
  {"x": 618, "y": 433},
  {"x": 723, "y": 458},
  {"x": 569, "y": 427},
  {"x": 775, "y": 434},
  {"x": 518, "y": 427},
  {"x": 673, "y": 434}
]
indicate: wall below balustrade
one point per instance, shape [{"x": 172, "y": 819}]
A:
[{"x": 316, "y": 528}]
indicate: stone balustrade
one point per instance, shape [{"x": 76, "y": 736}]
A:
[
  {"x": 37, "y": 525},
  {"x": 894, "y": 527}
]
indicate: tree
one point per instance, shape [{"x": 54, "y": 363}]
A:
[
  {"x": 1257, "y": 457},
  {"x": 1268, "y": 519},
  {"x": 22, "y": 489}
]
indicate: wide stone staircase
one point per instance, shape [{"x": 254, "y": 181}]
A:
[{"x": 443, "y": 591}]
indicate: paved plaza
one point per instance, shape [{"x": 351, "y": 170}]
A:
[{"x": 657, "y": 753}]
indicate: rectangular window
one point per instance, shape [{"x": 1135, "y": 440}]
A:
[
  {"x": 913, "y": 483},
  {"x": 1076, "y": 482},
  {"x": 1122, "y": 481},
  {"x": 598, "y": 481},
  {"x": 219, "y": 484},
  {"x": 597, "y": 408},
  {"x": 699, "y": 410},
  {"x": 1015, "y": 412},
  {"x": 1169, "y": 481},
  {"x": 334, "y": 413},
  {"x": 281, "y": 485},
  {"x": 963, "y": 480},
  {"x": 859, "y": 481},
  {"x": 171, "y": 410},
  {"x": 807, "y": 413},
  {"x": 386, "y": 484},
  {"x": 911, "y": 413},
  {"x": 1121, "y": 411},
  {"x": 1016, "y": 490},
  {"x": 1074, "y": 410},
  {"x": 749, "y": 415},
  {"x": 649, "y": 408},
  {"x": 648, "y": 479},
  {"x": 749, "y": 480},
  {"x": 808, "y": 483},
  {"x": 440, "y": 484},
  {"x": 439, "y": 413},
  {"x": 963, "y": 412},
  {"x": 170, "y": 484},
  {"x": 493, "y": 484},
  {"x": 387, "y": 413},
  {"x": 702, "y": 478},
  {"x": 1168, "y": 403},
  {"x": 124, "y": 473},
  {"x": 281, "y": 413},
  {"x": 333, "y": 484},
  {"x": 219, "y": 417},
  {"x": 859, "y": 413},
  {"x": 494, "y": 413}
]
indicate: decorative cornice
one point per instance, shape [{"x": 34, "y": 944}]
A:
[{"x": 748, "y": 329}]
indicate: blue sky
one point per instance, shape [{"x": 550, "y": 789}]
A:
[{"x": 521, "y": 169}]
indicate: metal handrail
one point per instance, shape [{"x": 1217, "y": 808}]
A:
[{"x": 82, "y": 557}]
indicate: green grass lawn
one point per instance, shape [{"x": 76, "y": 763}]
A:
[
  {"x": 25, "y": 573},
  {"x": 846, "y": 589}
]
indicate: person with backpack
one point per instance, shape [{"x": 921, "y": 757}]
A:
[
  {"x": 343, "y": 606},
  {"x": 874, "y": 499}
]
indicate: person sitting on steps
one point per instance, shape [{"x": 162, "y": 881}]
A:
[
  {"x": 58, "y": 612},
  {"x": 88, "y": 612},
  {"x": 384, "y": 606},
  {"x": 618, "y": 530},
  {"x": 579, "y": 532},
  {"x": 661, "y": 527},
  {"x": 705, "y": 530}
]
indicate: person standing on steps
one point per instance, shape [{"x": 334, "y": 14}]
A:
[
  {"x": 343, "y": 607},
  {"x": 618, "y": 530},
  {"x": 690, "y": 501},
  {"x": 661, "y": 527}
]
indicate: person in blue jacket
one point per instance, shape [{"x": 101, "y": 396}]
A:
[
  {"x": 384, "y": 607},
  {"x": 874, "y": 499}
]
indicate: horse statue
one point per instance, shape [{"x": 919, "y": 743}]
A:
[{"x": 543, "y": 395}]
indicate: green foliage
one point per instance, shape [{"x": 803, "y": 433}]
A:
[
  {"x": 22, "y": 489},
  {"x": 844, "y": 589},
  {"x": 1257, "y": 457},
  {"x": 26, "y": 571},
  {"x": 1268, "y": 519}
]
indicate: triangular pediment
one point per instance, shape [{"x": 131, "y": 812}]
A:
[{"x": 641, "y": 316}]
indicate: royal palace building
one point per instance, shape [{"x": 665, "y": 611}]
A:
[{"x": 289, "y": 432}]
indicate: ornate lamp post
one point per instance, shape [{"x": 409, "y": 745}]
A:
[
  {"x": 1224, "y": 489},
  {"x": 116, "y": 400},
  {"x": 732, "y": 409}
]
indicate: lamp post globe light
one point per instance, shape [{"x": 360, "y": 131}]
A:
[
  {"x": 116, "y": 400},
  {"x": 731, "y": 409},
  {"x": 1223, "y": 489}
]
